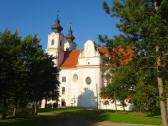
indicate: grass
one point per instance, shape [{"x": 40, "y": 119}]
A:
[
  {"x": 50, "y": 117},
  {"x": 131, "y": 117}
]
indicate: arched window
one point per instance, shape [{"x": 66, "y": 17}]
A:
[{"x": 52, "y": 42}]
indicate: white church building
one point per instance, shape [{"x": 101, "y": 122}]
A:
[{"x": 80, "y": 76}]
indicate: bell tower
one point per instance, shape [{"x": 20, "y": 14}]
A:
[
  {"x": 70, "y": 44},
  {"x": 56, "y": 43}
]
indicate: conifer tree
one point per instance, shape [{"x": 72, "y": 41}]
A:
[{"x": 144, "y": 28}]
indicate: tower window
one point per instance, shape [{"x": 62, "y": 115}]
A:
[{"x": 52, "y": 42}]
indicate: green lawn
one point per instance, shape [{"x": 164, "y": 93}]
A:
[
  {"x": 130, "y": 117},
  {"x": 50, "y": 117}
]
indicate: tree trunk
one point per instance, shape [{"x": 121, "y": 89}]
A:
[
  {"x": 4, "y": 113},
  {"x": 97, "y": 96},
  {"x": 162, "y": 102},
  {"x": 15, "y": 107},
  {"x": 124, "y": 108},
  {"x": 46, "y": 102},
  {"x": 161, "y": 91},
  {"x": 115, "y": 103},
  {"x": 167, "y": 107},
  {"x": 14, "y": 111},
  {"x": 35, "y": 107},
  {"x": 123, "y": 104}
]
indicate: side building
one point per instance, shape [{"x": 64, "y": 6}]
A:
[{"x": 80, "y": 76}]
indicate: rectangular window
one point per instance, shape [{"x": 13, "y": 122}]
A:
[
  {"x": 63, "y": 90},
  {"x": 63, "y": 79}
]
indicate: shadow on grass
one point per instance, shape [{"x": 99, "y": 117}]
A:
[
  {"x": 71, "y": 117},
  {"x": 80, "y": 117}
]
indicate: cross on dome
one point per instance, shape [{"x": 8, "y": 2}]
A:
[{"x": 57, "y": 28}]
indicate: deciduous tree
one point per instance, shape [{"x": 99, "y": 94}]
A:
[{"x": 27, "y": 73}]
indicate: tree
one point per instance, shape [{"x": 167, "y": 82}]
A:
[
  {"x": 9, "y": 66},
  {"x": 144, "y": 27},
  {"x": 121, "y": 79},
  {"x": 121, "y": 84},
  {"x": 41, "y": 74},
  {"x": 27, "y": 73}
]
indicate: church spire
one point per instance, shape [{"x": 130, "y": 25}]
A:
[
  {"x": 57, "y": 28},
  {"x": 70, "y": 36}
]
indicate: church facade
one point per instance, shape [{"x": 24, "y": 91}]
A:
[{"x": 80, "y": 76}]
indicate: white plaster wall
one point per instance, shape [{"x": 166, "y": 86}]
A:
[
  {"x": 89, "y": 49},
  {"x": 51, "y": 102},
  {"x": 111, "y": 105},
  {"x": 89, "y": 61},
  {"x": 76, "y": 89},
  {"x": 69, "y": 45},
  {"x": 84, "y": 95},
  {"x": 53, "y": 36},
  {"x": 79, "y": 93},
  {"x": 89, "y": 55}
]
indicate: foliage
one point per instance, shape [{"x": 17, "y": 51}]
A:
[
  {"x": 27, "y": 74},
  {"x": 144, "y": 28},
  {"x": 121, "y": 85}
]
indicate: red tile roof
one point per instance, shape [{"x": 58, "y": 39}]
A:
[{"x": 70, "y": 59}]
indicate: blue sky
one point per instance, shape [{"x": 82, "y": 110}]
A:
[{"x": 37, "y": 16}]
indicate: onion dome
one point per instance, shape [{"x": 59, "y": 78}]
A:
[
  {"x": 57, "y": 28},
  {"x": 70, "y": 36}
]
